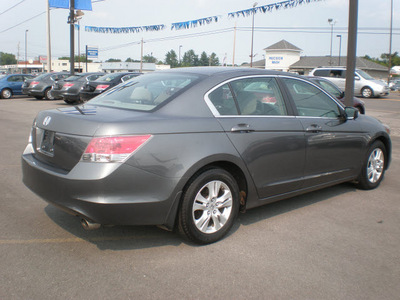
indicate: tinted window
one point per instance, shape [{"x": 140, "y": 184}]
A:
[
  {"x": 258, "y": 96},
  {"x": 15, "y": 78},
  {"x": 91, "y": 77},
  {"x": 108, "y": 77},
  {"x": 330, "y": 88},
  {"x": 223, "y": 101},
  {"x": 310, "y": 100},
  {"x": 337, "y": 73},
  {"x": 145, "y": 92},
  {"x": 321, "y": 73}
]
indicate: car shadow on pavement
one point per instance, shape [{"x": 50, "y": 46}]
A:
[
  {"x": 142, "y": 237},
  {"x": 115, "y": 237},
  {"x": 287, "y": 205}
]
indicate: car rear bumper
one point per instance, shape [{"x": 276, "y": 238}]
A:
[
  {"x": 86, "y": 96},
  {"x": 107, "y": 194}
]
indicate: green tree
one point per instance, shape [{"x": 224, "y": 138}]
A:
[
  {"x": 214, "y": 61},
  {"x": 7, "y": 59},
  {"x": 113, "y": 60},
  {"x": 82, "y": 58},
  {"x": 204, "y": 61},
  {"x": 149, "y": 59},
  {"x": 190, "y": 59},
  {"x": 172, "y": 59},
  {"x": 131, "y": 60}
]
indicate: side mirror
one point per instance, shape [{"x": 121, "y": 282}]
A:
[
  {"x": 341, "y": 95},
  {"x": 357, "y": 77},
  {"x": 351, "y": 112}
]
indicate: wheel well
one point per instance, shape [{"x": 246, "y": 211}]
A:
[
  {"x": 6, "y": 89},
  {"x": 386, "y": 143},
  {"x": 368, "y": 87},
  {"x": 234, "y": 170}
]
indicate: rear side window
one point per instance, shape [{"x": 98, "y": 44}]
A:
[
  {"x": 258, "y": 96},
  {"x": 321, "y": 73},
  {"x": 223, "y": 100},
  {"x": 249, "y": 96},
  {"x": 310, "y": 101}
]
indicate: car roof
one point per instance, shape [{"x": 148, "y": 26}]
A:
[{"x": 234, "y": 71}]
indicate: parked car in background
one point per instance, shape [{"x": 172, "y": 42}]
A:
[
  {"x": 40, "y": 86},
  {"x": 192, "y": 147},
  {"x": 104, "y": 83},
  {"x": 395, "y": 85},
  {"x": 364, "y": 85},
  {"x": 335, "y": 91},
  {"x": 68, "y": 89},
  {"x": 12, "y": 84}
]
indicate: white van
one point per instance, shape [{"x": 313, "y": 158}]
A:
[{"x": 364, "y": 84}]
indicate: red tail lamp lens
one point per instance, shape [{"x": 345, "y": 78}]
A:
[
  {"x": 102, "y": 87},
  {"x": 113, "y": 149}
]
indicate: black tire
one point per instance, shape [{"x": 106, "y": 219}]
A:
[
  {"x": 374, "y": 165},
  {"x": 48, "y": 95},
  {"x": 38, "y": 97},
  {"x": 69, "y": 101},
  {"x": 216, "y": 216},
  {"x": 367, "y": 92},
  {"x": 6, "y": 94}
]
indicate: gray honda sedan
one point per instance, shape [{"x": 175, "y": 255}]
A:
[{"x": 190, "y": 148}]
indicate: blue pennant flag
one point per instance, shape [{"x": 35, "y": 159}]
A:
[{"x": 79, "y": 4}]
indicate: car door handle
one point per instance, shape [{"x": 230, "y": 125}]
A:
[
  {"x": 314, "y": 128},
  {"x": 242, "y": 128}
]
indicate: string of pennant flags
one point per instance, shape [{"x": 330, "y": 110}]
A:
[{"x": 203, "y": 21}]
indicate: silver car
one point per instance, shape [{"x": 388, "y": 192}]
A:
[
  {"x": 191, "y": 148},
  {"x": 364, "y": 84}
]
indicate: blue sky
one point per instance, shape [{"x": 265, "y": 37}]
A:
[{"x": 305, "y": 26}]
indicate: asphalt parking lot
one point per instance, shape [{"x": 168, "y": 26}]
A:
[{"x": 337, "y": 243}]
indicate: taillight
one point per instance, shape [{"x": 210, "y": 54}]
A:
[
  {"x": 102, "y": 87},
  {"x": 34, "y": 83},
  {"x": 114, "y": 148},
  {"x": 67, "y": 85}
]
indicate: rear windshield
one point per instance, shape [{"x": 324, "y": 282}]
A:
[
  {"x": 145, "y": 92},
  {"x": 73, "y": 77},
  {"x": 108, "y": 77},
  {"x": 43, "y": 76}
]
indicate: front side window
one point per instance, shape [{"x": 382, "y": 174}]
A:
[
  {"x": 145, "y": 92},
  {"x": 310, "y": 101}
]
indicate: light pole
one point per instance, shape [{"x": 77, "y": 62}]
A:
[
  {"x": 252, "y": 35},
  {"x": 26, "y": 51},
  {"x": 340, "y": 45},
  {"x": 180, "y": 46},
  {"x": 331, "y": 22},
  {"x": 390, "y": 39}
]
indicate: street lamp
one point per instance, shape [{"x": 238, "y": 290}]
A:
[
  {"x": 331, "y": 22},
  {"x": 26, "y": 51},
  {"x": 252, "y": 35},
  {"x": 340, "y": 45},
  {"x": 180, "y": 46}
]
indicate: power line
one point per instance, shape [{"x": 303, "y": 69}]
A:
[
  {"x": 12, "y": 7},
  {"x": 22, "y": 22}
]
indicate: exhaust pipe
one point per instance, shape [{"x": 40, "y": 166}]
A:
[{"x": 89, "y": 225}]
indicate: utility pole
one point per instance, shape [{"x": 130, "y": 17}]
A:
[
  {"x": 252, "y": 35},
  {"x": 390, "y": 39},
  {"x": 48, "y": 38},
  {"x": 351, "y": 52},
  {"x": 234, "y": 45},
  {"x": 71, "y": 22},
  {"x": 141, "y": 57}
]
